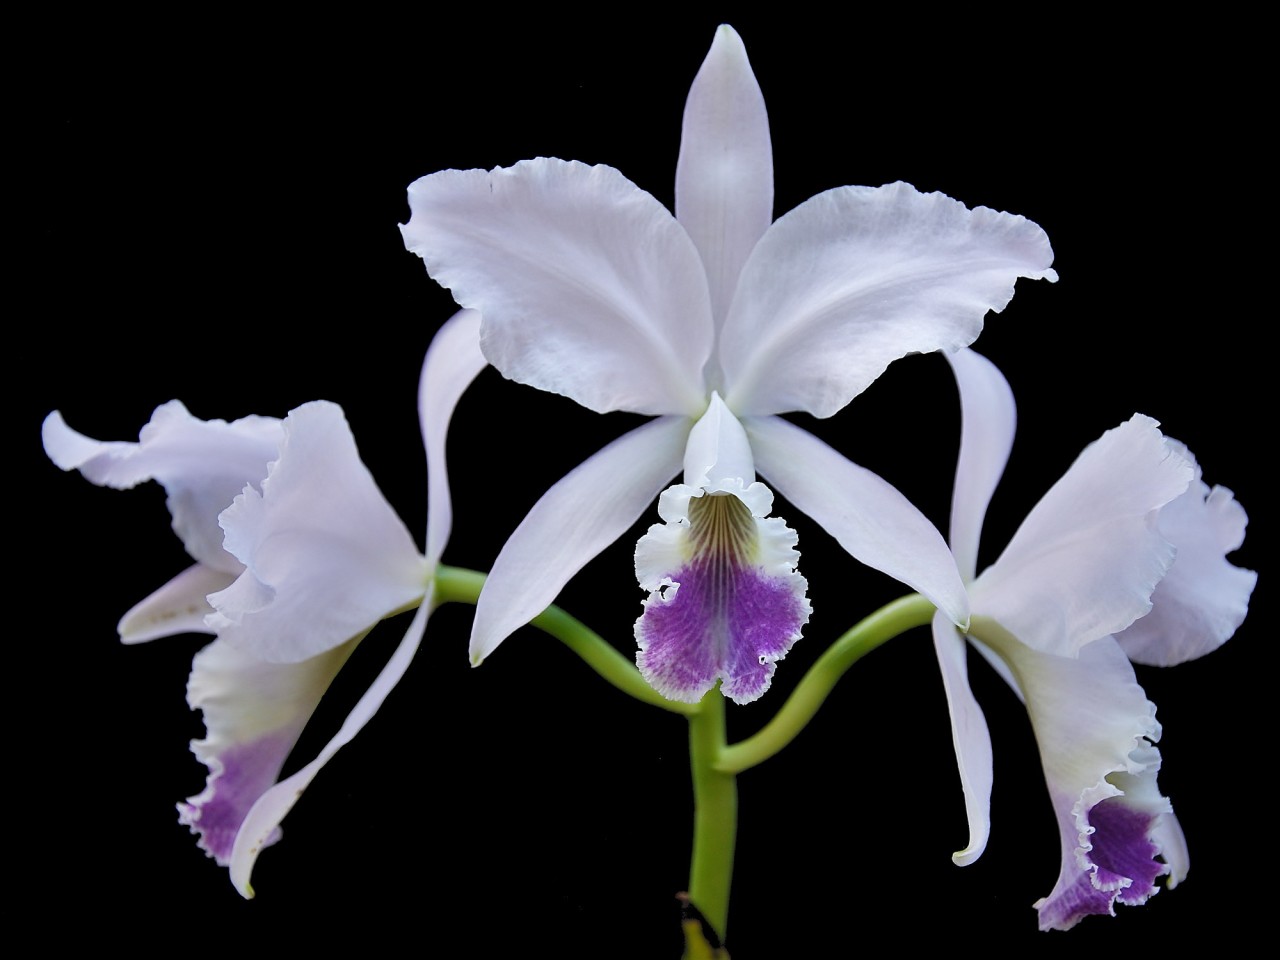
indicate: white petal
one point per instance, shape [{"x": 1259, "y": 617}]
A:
[
  {"x": 855, "y": 278},
  {"x": 724, "y": 177},
  {"x": 203, "y": 465},
  {"x": 177, "y": 607},
  {"x": 1084, "y": 563},
  {"x": 867, "y": 515},
  {"x": 1203, "y": 598},
  {"x": 261, "y": 824},
  {"x": 254, "y": 713},
  {"x": 453, "y": 361},
  {"x": 969, "y": 735},
  {"x": 587, "y": 285},
  {"x": 326, "y": 557},
  {"x": 582, "y": 514},
  {"x": 988, "y": 419},
  {"x": 1095, "y": 729}
]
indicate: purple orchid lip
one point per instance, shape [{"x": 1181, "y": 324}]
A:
[
  {"x": 1122, "y": 867},
  {"x": 237, "y": 778},
  {"x": 730, "y": 611}
]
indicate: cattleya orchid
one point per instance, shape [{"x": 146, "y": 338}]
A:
[
  {"x": 715, "y": 320},
  {"x": 1124, "y": 555},
  {"x": 298, "y": 555}
]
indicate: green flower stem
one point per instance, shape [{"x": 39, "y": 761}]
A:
[
  {"x": 456, "y": 585},
  {"x": 715, "y": 814},
  {"x": 886, "y": 623}
]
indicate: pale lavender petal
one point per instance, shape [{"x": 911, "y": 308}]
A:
[
  {"x": 261, "y": 825},
  {"x": 988, "y": 419},
  {"x": 855, "y": 278},
  {"x": 453, "y": 361},
  {"x": 202, "y": 465},
  {"x": 866, "y": 515},
  {"x": 254, "y": 713},
  {"x": 1203, "y": 598},
  {"x": 724, "y": 177},
  {"x": 588, "y": 509},
  {"x": 587, "y": 285},
  {"x": 1085, "y": 561},
  {"x": 326, "y": 557},
  {"x": 180, "y": 606},
  {"x": 969, "y": 735}
]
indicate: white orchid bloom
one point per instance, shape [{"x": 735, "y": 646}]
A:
[
  {"x": 1125, "y": 554},
  {"x": 298, "y": 555},
  {"x": 714, "y": 320}
]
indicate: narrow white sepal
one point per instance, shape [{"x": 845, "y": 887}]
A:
[
  {"x": 264, "y": 817},
  {"x": 868, "y": 516},
  {"x": 587, "y": 509},
  {"x": 724, "y": 177}
]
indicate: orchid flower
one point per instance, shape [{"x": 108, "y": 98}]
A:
[
  {"x": 1125, "y": 554},
  {"x": 714, "y": 320},
  {"x": 298, "y": 555}
]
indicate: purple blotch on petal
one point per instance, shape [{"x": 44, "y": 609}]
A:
[
  {"x": 237, "y": 778},
  {"x": 722, "y": 620},
  {"x": 1124, "y": 867}
]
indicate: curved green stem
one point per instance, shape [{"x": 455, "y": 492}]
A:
[
  {"x": 715, "y": 814},
  {"x": 456, "y": 585},
  {"x": 886, "y": 623}
]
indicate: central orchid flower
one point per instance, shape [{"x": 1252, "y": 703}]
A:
[{"x": 715, "y": 321}]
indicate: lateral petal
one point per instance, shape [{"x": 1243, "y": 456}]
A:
[
  {"x": 254, "y": 712},
  {"x": 867, "y": 516},
  {"x": 583, "y": 513},
  {"x": 1085, "y": 561},
  {"x": 1203, "y": 598},
  {"x": 855, "y": 278},
  {"x": 202, "y": 465},
  {"x": 260, "y": 826},
  {"x": 325, "y": 555},
  {"x": 453, "y": 361},
  {"x": 588, "y": 286},
  {"x": 988, "y": 420},
  {"x": 724, "y": 177},
  {"x": 969, "y": 734},
  {"x": 177, "y": 607}
]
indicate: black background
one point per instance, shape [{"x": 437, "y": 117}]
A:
[{"x": 214, "y": 219}]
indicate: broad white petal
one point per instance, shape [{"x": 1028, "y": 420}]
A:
[
  {"x": 587, "y": 285},
  {"x": 260, "y": 826},
  {"x": 969, "y": 734},
  {"x": 867, "y": 515},
  {"x": 177, "y": 607},
  {"x": 453, "y": 361},
  {"x": 325, "y": 555},
  {"x": 724, "y": 177},
  {"x": 582, "y": 514},
  {"x": 1084, "y": 563},
  {"x": 254, "y": 713},
  {"x": 855, "y": 278},
  {"x": 1203, "y": 598},
  {"x": 202, "y": 465},
  {"x": 1095, "y": 729},
  {"x": 988, "y": 420}
]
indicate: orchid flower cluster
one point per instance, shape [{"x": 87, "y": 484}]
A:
[{"x": 715, "y": 321}]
